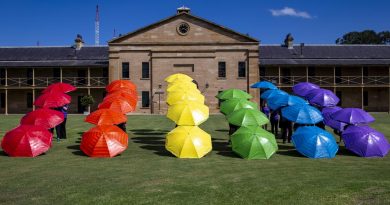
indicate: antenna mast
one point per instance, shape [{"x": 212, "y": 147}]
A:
[{"x": 97, "y": 24}]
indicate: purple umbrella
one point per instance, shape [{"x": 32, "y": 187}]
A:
[
  {"x": 326, "y": 112},
  {"x": 304, "y": 88},
  {"x": 352, "y": 116},
  {"x": 365, "y": 141},
  {"x": 322, "y": 98}
]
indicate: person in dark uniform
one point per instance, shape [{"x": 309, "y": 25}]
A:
[
  {"x": 265, "y": 109},
  {"x": 274, "y": 119},
  {"x": 61, "y": 128},
  {"x": 287, "y": 129}
]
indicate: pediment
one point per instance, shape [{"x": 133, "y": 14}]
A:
[{"x": 199, "y": 31}]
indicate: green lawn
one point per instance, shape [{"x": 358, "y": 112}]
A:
[{"x": 146, "y": 174}]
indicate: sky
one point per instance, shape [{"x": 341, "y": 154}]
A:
[{"x": 56, "y": 23}]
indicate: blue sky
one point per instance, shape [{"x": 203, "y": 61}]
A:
[{"x": 23, "y": 23}]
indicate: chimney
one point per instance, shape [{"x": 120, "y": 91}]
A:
[
  {"x": 79, "y": 42},
  {"x": 289, "y": 41},
  {"x": 183, "y": 9}
]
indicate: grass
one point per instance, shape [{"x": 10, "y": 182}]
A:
[{"x": 147, "y": 174}]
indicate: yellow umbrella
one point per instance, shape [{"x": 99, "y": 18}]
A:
[
  {"x": 181, "y": 86},
  {"x": 188, "y": 113},
  {"x": 185, "y": 95},
  {"x": 188, "y": 142},
  {"x": 178, "y": 76}
]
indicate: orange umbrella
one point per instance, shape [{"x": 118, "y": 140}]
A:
[
  {"x": 119, "y": 104},
  {"x": 120, "y": 84},
  {"x": 128, "y": 96},
  {"x": 105, "y": 117},
  {"x": 124, "y": 90},
  {"x": 104, "y": 141}
]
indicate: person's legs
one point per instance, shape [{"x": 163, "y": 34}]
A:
[
  {"x": 276, "y": 128},
  {"x": 58, "y": 131},
  {"x": 273, "y": 126},
  {"x": 63, "y": 129}
]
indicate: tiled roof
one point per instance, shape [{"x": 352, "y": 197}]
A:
[
  {"x": 53, "y": 56},
  {"x": 325, "y": 55}
]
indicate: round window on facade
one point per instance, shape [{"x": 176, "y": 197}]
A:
[{"x": 183, "y": 28}]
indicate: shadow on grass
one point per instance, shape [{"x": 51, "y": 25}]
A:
[
  {"x": 2, "y": 153},
  {"x": 222, "y": 130},
  {"x": 223, "y": 148},
  {"x": 150, "y": 142},
  {"x": 291, "y": 153},
  {"x": 79, "y": 153},
  {"x": 344, "y": 152}
]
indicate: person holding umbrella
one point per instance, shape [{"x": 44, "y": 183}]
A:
[
  {"x": 61, "y": 128},
  {"x": 265, "y": 109},
  {"x": 274, "y": 119}
]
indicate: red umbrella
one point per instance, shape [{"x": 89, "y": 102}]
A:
[
  {"x": 118, "y": 104},
  {"x": 46, "y": 118},
  {"x": 120, "y": 84},
  {"x": 59, "y": 87},
  {"x": 26, "y": 141},
  {"x": 106, "y": 117},
  {"x": 104, "y": 141},
  {"x": 50, "y": 100},
  {"x": 122, "y": 95}
]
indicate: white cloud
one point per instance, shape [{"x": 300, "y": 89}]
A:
[{"x": 287, "y": 11}]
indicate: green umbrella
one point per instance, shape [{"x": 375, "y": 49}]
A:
[
  {"x": 233, "y": 93},
  {"x": 247, "y": 117},
  {"x": 254, "y": 143},
  {"x": 234, "y": 104}
]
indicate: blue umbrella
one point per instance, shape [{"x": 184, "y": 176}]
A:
[
  {"x": 314, "y": 142},
  {"x": 264, "y": 85},
  {"x": 271, "y": 93},
  {"x": 302, "y": 114},
  {"x": 284, "y": 100}
]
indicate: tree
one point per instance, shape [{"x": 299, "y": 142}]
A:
[
  {"x": 87, "y": 101},
  {"x": 365, "y": 37}
]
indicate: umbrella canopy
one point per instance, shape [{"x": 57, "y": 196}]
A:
[
  {"x": 233, "y": 93},
  {"x": 120, "y": 84},
  {"x": 106, "y": 117},
  {"x": 188, "y": 113},
  {"x": 26, "y": 141},
  {"x": 272, "y": 93},
  {"x": 302, "y": 89},
  {"x": 46, "y": 118},
  {"x": 181, "y": 86},
  {"x": 329, "y": 121},
  {"x": 52, "y": 100},
  {"x": 59, "y": 87},
  {"x": 104, "y": 141},
  {"x": 122, "y": 96},
  {"x": 302, "y": 114},
  {"x": 118, "y": 104},
  {"x": 234, "y": 104},
  {"x": 124, "y": 90},
  {"x": 254, "y": 143},
  {"x": 185, "y": 95},
  {"x": 322, "y": 98},
  {"x": 130, "y": 96},
  {"x": 314, "y": 142},
  {"x": 365, "y": 141},
  {"x": 278, "y": 101},
  {"x": 188, "y": 142},
  {"x": 264, "y": 85},
  {"x": 352, "y": 116},
  {"x": 247, "y": 117},
  {"x": 178, "y": 76}
]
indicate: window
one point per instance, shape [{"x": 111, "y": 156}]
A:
[
  {"x": 29, "y": 76},
  {"x": 145, "y": 70},
  {"x": 222, "y": 69},
  {"x": 29, "y": 100},
  {"x": 262, "y": 71},
  {"x": 2, "y": 76},
  {"x": 105, "y": 73},
  {"x": 286, "y": 76},
  {"x": 145, "y": 99},
  {"x": 365, "y": 98},
  {"x": 2, "y": 100},
  {"x": 125, "y": 70},
  {"x": 340, "y": 96},
  {"x": 241, "y": 69},
  {"x": 338, "y": 74},
  {"x": 365, "y": 71}
]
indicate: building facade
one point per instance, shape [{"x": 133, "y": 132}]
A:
[{"x": 216, "y": 57}]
